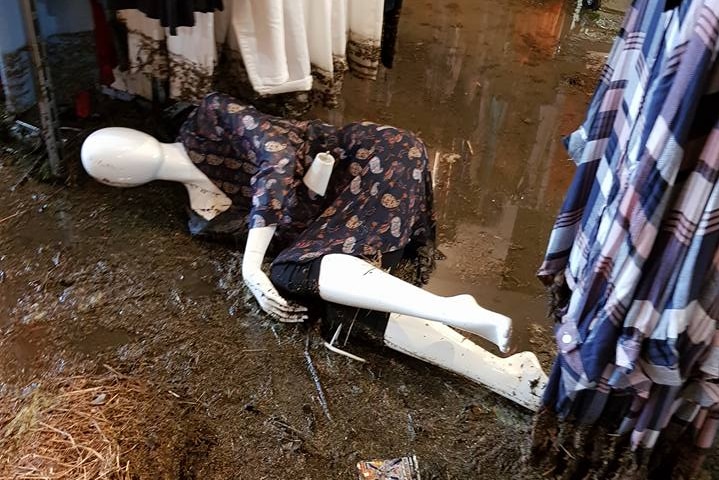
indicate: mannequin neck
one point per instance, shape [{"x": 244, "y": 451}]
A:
[
  {"x": 318, "y": 175},
  {"x": 206, "y": 199}
]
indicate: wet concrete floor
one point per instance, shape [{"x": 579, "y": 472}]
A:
[
  {"x": 492, "y": 87},
  {"x": 95, "y": 276}
]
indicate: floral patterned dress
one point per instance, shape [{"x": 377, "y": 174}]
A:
[{"x": 379, "y": 197}]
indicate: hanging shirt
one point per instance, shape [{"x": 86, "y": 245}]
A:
[{"x": 635, "y": 244}]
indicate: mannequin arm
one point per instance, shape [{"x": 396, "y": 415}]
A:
[
  {"x": 318, "y": 176},
  {"x": 258, "y": 240},
  {"x": 260, "y": 285}
]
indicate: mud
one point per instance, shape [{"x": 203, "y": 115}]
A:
[{"x": 93, "y": 275}]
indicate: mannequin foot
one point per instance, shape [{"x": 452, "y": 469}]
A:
[{"x": 489, "y": 325}]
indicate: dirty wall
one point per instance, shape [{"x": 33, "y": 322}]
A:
[{"x": 67, "y": 28}]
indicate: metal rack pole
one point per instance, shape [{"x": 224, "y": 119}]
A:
[{"x": 45, "y": 92}]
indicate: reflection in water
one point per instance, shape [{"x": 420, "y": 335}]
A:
[{"x": 482, "y": 82}]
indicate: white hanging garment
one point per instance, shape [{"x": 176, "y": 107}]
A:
[
  {"x": 319, "y": 25},
  {"x": 192, "y": 58},
  {"x": 187, "y": 59},
  {"x": 364, "y": 37},
  {"x": 318, "y": 20},
  {"x": 340, "y": 29},
  {"x": 147, "y": 56},
  {"x": 273, "y": 41},
  {"x": 284, "y": 43}
]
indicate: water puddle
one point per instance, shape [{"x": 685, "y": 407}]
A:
[
  {"x": 197, "y": 282},
  {"x": 492, "y": 89},
  {"x": 101, "y": 339},
  {"x": 23, "y": 353}
]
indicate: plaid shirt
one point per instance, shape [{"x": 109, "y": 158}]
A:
[{"x": 636, "y": 239}]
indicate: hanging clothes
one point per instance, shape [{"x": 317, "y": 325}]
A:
[
  {"x": 16, "y": 67},
  {"x": 390, "y": 27},
  {"x": 273, "y": 41},
  {"x": 280, "y": 46},
  {"x": 186, "y": 60},
  {"x": 633, "y": 260},
  {"x": 283, "y": 41},
  {"x": 104, "y": 47},
  {"x": 192, "y": 58},
  {"x": 365, "y": 36}
]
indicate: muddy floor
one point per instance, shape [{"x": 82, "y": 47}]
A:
[{"x": 93, "y": 277}]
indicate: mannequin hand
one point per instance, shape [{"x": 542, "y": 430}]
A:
[{"x": 270, "y": 300}]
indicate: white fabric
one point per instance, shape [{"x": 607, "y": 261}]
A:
[
  {"x": 365, "y": 19},
  {"x": 318, "y": 18},
  {"x": 188, "y": 62},
  {"x": 144, "y": 36},
  {"x": 273, "y": 42},
  {"x": 364, "y": 37},
  {"x": 193, "y": 56},
  {"x": 339, "y": 27},
  {"x": 279, "y": 41}
]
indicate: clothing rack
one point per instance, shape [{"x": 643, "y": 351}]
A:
[{"x": 45, "y": 92}]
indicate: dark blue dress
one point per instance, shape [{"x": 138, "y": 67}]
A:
[{"x": 379, "y": 199}]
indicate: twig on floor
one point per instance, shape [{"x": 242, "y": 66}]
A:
[
  {"x": 9, "y": 217},
  {"x": 24, "y": 211},
  {"x": 23, "y": 178},
  {"x": 316, "y": 379},
  {"x": 567, "y": 452}
]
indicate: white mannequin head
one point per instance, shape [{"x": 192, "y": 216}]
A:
[{"x": 122, "y": 157}]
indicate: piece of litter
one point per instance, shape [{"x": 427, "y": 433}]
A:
[
  {"x": 99, "y": 400},
  {"x": 403, "y": 468},
  {"x": 330, "y": 346}
]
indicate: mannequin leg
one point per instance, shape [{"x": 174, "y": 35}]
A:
[
  {"x": 519, "y": 378},
  {"x": 351, "y": 281}
]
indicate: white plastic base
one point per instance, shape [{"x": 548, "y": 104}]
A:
[{"x": 519, "y": 378}]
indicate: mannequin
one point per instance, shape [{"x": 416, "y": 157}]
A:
[
  {"x": 125, "y": 157},
  {"x": 344, "y": 279}
]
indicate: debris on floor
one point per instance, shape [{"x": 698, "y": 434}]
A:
[
  {"x": 403, "y": 468},
  {"x": 84, "y": 427}
]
